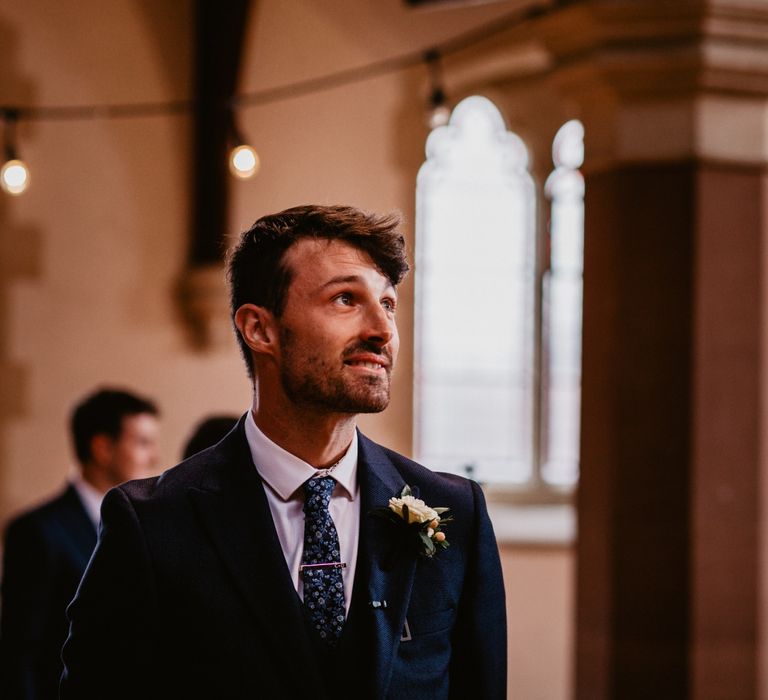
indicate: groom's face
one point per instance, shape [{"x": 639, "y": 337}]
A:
[{"x": 338, "y": 338}]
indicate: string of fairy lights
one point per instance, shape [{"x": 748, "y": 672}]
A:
[{"x": 244, "y": 162}]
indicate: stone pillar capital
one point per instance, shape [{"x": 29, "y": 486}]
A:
[{"x": 664, "y": 81}]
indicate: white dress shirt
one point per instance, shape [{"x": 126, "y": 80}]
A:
[
  {"x": 283, "y": 475},
  {"x": 90, "y": 497}
]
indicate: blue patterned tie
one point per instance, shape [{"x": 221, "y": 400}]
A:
[{"x": 323, "y": 583}]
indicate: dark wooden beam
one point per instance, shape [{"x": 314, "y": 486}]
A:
[{"x": 219, "y": 35}]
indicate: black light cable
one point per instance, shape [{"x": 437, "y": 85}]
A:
[
  {"x": 302, "y": 87},
  {"x": 438, "y": 111},
  {"x": 244, "y": 161},
  {"x": 14, "y": 174}
]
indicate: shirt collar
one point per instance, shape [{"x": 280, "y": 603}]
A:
[
  {"x": 286, "y": 473},
  {"x": 90, "y": 497}
]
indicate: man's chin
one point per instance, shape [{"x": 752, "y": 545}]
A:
[
  {"x": 378, "y": 408},
  {"x": 366, "y": 402},
  {"x": 349, "y": 398}
]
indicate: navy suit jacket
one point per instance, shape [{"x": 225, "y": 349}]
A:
[
  {"x": 188, "y": 593},
  {"x": 46, "y": 551}
]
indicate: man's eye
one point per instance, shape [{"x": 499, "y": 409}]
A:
[
  {"x": 389, "y": 305},
  {"x": 345, "y": 299}
]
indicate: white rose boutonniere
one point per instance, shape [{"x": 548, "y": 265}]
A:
[{"x": 417, "y": 523}]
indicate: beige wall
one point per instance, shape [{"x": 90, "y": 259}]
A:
[
  {"x": 92, "y": 254},
  {"x": 94, "y": 250},
  {"x": 540, "y": 618}
]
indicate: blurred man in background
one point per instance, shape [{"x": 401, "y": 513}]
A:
[
  {"x": 207, "y": 433},
  {"x": 47, "y": 548}
]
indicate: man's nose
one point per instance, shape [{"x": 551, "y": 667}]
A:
[{"x": 380, "y": 326}]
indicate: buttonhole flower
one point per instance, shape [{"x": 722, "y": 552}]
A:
[{"x": 418, "y": 525}]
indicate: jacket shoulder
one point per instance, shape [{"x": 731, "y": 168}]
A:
[
  {"x": 205, "y": 470},
  {"x": 39, "y": 516},
  {"x": 172, "y": 482}
]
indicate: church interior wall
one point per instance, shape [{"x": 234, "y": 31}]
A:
[{"x": 93, "y": 252}]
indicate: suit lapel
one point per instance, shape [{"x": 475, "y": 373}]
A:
[
  {"x": 390, "y": 572},
  {"x": 236, "y": 515}
]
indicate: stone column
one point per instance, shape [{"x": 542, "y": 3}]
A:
[{"x": 671, "y": 550}]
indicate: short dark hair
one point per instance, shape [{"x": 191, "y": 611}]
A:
[
  {"x": 207, "y": 433},
  {"x": 256, "y": 270},
  {"x": 102, "y": 413}
]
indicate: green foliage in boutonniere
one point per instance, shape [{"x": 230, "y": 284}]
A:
[{"x": 419, "y": 525}]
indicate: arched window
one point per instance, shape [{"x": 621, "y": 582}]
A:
[
  {"x": 475, "y": 267},
  {"x": 478, "y": 387},
  {"x": 562, "y": 305}
]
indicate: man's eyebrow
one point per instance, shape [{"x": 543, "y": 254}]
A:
[
  {"x": 341, "y": 279},
  {"x": 349, "y": 279}
]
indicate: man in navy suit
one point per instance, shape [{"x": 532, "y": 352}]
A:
[
  {"x": 281, "y": 562},
  {"x": 47, "y": 548}
]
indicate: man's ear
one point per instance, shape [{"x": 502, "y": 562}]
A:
[
  {"x": 257, "y": 328},
  {"x": 102, "y": 449}
]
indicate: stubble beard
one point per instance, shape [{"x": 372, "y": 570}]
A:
[{"x": 310, "y": 380}]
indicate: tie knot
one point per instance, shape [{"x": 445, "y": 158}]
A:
[{"x": 318, "y": 493}]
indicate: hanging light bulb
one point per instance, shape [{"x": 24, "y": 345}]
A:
[
  {"x": 244, "y": 162},
  {"x": 14, "y": 174},
  {"x": 438, "y": 112}
]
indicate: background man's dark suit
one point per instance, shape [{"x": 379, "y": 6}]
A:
[
  {"x": 46, "y": 552},
  {"x": 188, "y": 594}
]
